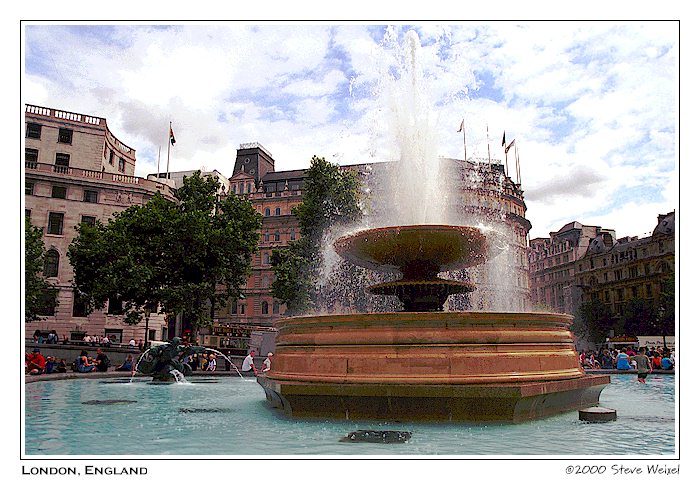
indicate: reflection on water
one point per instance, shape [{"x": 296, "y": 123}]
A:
[{"x": 231, "y": 417}]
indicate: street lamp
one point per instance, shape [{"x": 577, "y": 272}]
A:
[{"x": 662, "y": 324}]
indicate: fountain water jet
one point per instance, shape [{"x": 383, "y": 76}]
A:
[{"x": 424, "y": 363}]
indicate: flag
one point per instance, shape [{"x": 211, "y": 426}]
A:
[
  {"x": 509, "y": 145},
  {"x": 172, "y": 136},
  {"x": 461, "y": 126},
  {"x": 503, "y": 143}
]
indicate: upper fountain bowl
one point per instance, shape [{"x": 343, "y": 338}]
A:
[{"x": 437, "y": 248}]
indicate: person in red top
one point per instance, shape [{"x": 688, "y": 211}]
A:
[{"x": 36, "y": 363}]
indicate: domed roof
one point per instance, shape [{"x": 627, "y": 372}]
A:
[
  {"x": 602, "y": 243},
  {"x": 667, "y": 224}
]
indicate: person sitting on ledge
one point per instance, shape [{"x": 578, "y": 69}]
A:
[
  {"x": 623, "y": 362},
  {"x": 102, "y": 361},
  {"x": 83, "y": 363},
  {"x": 36, "y": 363},
  {"x": 248, "y": 364},
  {"x": 128, "y": 364}
]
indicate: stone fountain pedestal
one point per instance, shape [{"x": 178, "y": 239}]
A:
[
  {"x": 437, "y": 366},
  {"x": 426, "y": 364}
]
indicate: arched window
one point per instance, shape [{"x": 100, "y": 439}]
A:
[
  {"x": 278, "y": 212},
  {"x": 265, "y": 308},
  {"x": 267, "y": 212},
  {"x": 51, "y": 263},
  {"x": 277, "y": 236},
  {"x": 276, "y": 308}
]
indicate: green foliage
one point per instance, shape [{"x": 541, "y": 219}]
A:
[
  {"x": 331, "y": 197},
  {"x": 184, "y": 257},
  {"x": 593, "y": 321},
  {"x": 638, "y": 317},
  {"x": 39, "y": 295}
]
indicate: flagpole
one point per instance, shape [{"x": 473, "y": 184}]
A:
[
  {"x": 517, "y": 164},
  {"x": 168, "y": 164},
  {"x": 464, "y": 134},
  {"x": 158, "y": 167},
  {"x": 488, "y": 142}
]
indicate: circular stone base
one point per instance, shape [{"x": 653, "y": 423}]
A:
[{"x": 597, "y": 414}]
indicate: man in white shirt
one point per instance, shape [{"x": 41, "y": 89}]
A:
[{"x": 248, "y": 364}]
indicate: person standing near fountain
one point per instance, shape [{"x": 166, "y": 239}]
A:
[{"x": 643, "y": 365}]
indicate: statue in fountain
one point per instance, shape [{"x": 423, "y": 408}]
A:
[{"x": 161, "y": 361}]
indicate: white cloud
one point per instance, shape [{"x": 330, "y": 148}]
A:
[{"x": 594, "y": 101}]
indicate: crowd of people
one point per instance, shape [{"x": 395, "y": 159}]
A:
[
  {"x": 627, "y": 358},
  {"x": 36, "y": 364}
]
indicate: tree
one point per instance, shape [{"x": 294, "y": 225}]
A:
[
  {"x": 39, "y": 295},
  {"x": 593, "y": 320},
  {"x": 185, "y": 257},
  {"x": 638, "y": 317},
  {"x": 332, "y": 197}
]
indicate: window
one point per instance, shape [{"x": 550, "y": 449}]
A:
[
  {"x": 292, "y": 235},
  {"x": 275, "y": 308},
  {"x": 88, "y": 220},
  {"x": 33, "y": 130},
  {"x": 233, "y": 189},
  {"x": 121, "y": 164},
  {"x": 111, "y": 157},
  {"x": 31, "y": 155},
  {"x": 65, "y": 135},
  {"x": 51, "y": 264},
  {"x": 278, "y": 211},
  {"x": 116, "y": 335},
  {"x": 79, "y": 304},
  {"x": 267, "y": 237},
  {"x": 267, "y": 212},
  {"x": 114, "y": 306},
  {"x": 48, "y": 304},
  {"x": 29, "y": 188},
  {"x": 27, "y": 213},
  {"x": 55, "y": 224},
  {"x": 241, "y": 308},
  {"x": 265, "y": 308},
  {"x": 266, "y": 259},
  {"x": 58, "y": 192},
  {"x": 250, "y": 187},
  {"x": 277, "y": 236},
  {"x": 62, "y": 159},
  {"x": 90, "y": 196}
]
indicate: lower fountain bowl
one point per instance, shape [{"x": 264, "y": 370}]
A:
[{"x": 457, "y": 366}]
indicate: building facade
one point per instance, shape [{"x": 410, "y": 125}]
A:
[
  {"x": 553, "y": 265},
  {"x": 77, "y": 171},
  {"x": 619, "y": 271}
]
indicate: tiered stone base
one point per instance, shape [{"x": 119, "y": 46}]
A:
[
  {"x": 446, "y": 403},
  {"x": 452, "y": 366}
]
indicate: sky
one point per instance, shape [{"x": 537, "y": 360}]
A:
[{"x": 593, "y": 106}]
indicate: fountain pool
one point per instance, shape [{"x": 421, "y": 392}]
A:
[{"x": 212, "y": 416}]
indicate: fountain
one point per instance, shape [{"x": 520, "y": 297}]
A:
[
  {"x": 424, "y": 363},
  {"x": 167, "y": 362}
]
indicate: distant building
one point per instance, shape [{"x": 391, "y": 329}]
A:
[
  {"x": 175, "y": 179},
  {"x": 616, "y": 272},
  {"x": 553, "y": 265},
  {"x": 76, "y": 171}
]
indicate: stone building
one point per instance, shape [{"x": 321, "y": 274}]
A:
[
  {"x": 483, "y": 194},
  {"x": 553, "y": 265},
  {"x": 77, "y": 171},
  {"x": 618, "y": 271}
]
